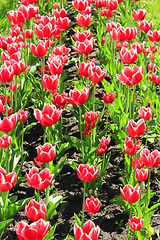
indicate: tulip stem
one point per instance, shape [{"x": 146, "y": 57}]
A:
[
  {"x": 7, "y": 154},
  {"x": 42, "y": 74},
  {"x": 135, "y": 162},
  {"x": 130, "y": 214},
  {"x": 80, "y": 125},
  {"x": 107, "y": 119},
  {"x": 146, "y": 134},
  {"x": 6, "y": 99},
  {"x": 130, "y": 109},
  {"x": 22, "y": 140},
  {"x": 15, "y": 93},
  {"x": 94, "y": 89},
  {"x": 47, "y": 189},
  {"x": 134, "y": 93},
  {"x": 91, "y": 216},
  {"x": 148, "y": 188},
  {"x": 61, "y": 128},
  {"x": 84, "y": 191}
]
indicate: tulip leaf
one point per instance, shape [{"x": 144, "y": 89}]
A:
[
  {"x": 13, "y": 199},
  {"x": 57, "y": 169},
  {"x": 50, "y": 233},
  {"x": 77, "y": 220},
  {"x": 15, "y": 157},
  {"x": 54, "y": 201},
  {"x": 152, "y": 208},
  {"x": 2, "y": 225},
  {"x": 90, "y": 154},
  {"x": 12, "y": 210}
]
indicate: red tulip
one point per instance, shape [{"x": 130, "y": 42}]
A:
[
  {"x": 2, "y": 98},
  {"x": 135, "y": 223},
  {"x": 87, "y": 232},
  {"x": 7, "y": 181},
  {"x": 56, "y": 5},
  {"x": 100, "y": 3},
  {"x": 150, "y": 160},
  {"x": 111, "y": 26},
  {"x": 112, "y": 4},
  {"x": 55, "y": 65},
  {"x": 129, "y": 146},
  {"x": 83, "y": 20},
  {"x": 118, "y": 34},
  {"x": 144, "y": 26},
  {"x": 63, "y": 23},
  {"x": 141, "y": 174},
  {"x": 44, "y": 31},
  {"x": 92, "y": 205},
  {"x": 46, "y": 153},
  {"x": 130, "y": 76},
  {"x": 60, "y": 50},
  {"x": 84, "y": 47},
  {"x": 154, "y": 78},
  {"x": 128, "y": 56},
  {"x": 22, "y": 115},
  {"x": 36, "y": 230},
  {"x": 28, "y": 33},
  {"x": 139, "y": 163},
  {"x": 139, "y": 15},
  {"x": 154, "y": 36},
  {"x": 14, "y": 86},
  {"x": 87, "y": 10},
  {"x": 60, "y": 100},
  {"x": 22, "y": 13},
  {"x": 78, "y": 97},
  {"x": 32, "y": 10},
  {"x": 136, "y": 129},
  {"x": 107, "y": 13},
  {"x": 6, "y": 72},
  {"x": 150, "y": 67},
  {"x": 96, "y": 75},
  {"x": 8, "y": 123},
  {"x": 86, "y": 173},
  {"x": 139, "y": 47},
  {"x": 91, "y": 116},
  {"x": 9, "y": 110},
  {"x": 82, "y": 36},
  {"x": 35, "y": 211},
  {"x": 48, "y": 116},
  {"x": 39, "y": 180},
  {"x": 40, "y": 50},
  {"x": 130, "y": 194},
  {"x": 108, "y": 98},
  {"x": 83, "y": 68},
  {"x": 18, "y": 67},
  {"x": 12, "y": 17},
  {"x": 102, "y": 41},
  {"x": 124, "y": 44},
  {"x": 3, "y": 141},
  {"x": 103, "y": 145},
  {"x": 15, "y": 30},
  {"x": 145, "y": 113},
  {"x": 80, "y": 5},
  {"x": 50, "y": 83}
]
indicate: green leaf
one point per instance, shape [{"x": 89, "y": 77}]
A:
[
  {"x": 54, "y": 201},
  {"x": 15, "y": 157},
  {"x": 78, "y": 221},
  {"x": 152, "y": 208},
  {"x": 2, "y": 225},
  {"x": 50, "y": 233},
  {"x": 90, "y": 154}
]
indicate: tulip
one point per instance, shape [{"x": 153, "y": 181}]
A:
[
  {"x": 153, "y": 48},
  {"x": 15, "y": 31},
  {"x": 55, "y": 65},
  {"x": 111, "y": 26},
  {"x": 8, "y": 123},
  {"x": 151, "y": 68},
  {"x": 84, "y": 47},
  {"x": 82, "y": 36},
  {"x": 107, "y": 13},
  {"x": 130, "y": 194},
  {"x": 154, "y": 78},
  {"x": 150, "y": 160},
  {"x": 145, "y": 113},
  {"x": 46, "y": 153},
  {"x": 87, "y": 11},
  {"x": 63, "y": 23},
  {"x": 83, "y": 20},
  {"x": 108, "y": 98},
  {"x": 139, "y": 15},
  {"x": 79, "y": 5},
  {"x": 102, "y": 41},
  {"x": 40, "y": 50},
  {"x": 139, "y": 47},
  {"x": 154, "y": 36},
  {"x": 3, "y": 141},
  {"x": 22, "y": 115},
  {"x": 86, "y": 173},
  {"x": 141, "y": 174},
  {"x": 56, "y": 5},
  {"x": 12, "y": 17},
  {"x": 135, "y": 223},
  {"x": 100, "y": 3},
  {"x": 130, "y": 76},
  {"x": 144, "y": 26},
  {"x": 39, "y": 180},
  {"x": 44, "y": 31},
  {"x": 28, "y": 33},
  {"x": 7, "y": 181},
  {"x": 78, "y": 97},
  {"x": 22, "y": 13},
  {"x": 103, "y": 145},
  {"x": 2, "y": 98},
  {"x": 92, "y": 205},
  {"x": 32, "y": 10},
  {"x": 48, "y": 116},
  {"x": 139, "y": 163},
  {"x": 118, "y": 34},
  {"x": 18, "y": 67},
  {"x": 36, "y": 230},
  {"x": 131, "y": 33},
  {"x": 14, "y": 85},
  {"x": 35, "y": 211},
  {"x": 96, "y": 75},
  {"x": 88, "y": 231},
  {"x": 50, "y": 83},
  {"x": 91, "y": 116},
  {"x": 60, "y": 50},
  {"x": 83, "y": 69},
  {"x": 136, "y": 129},
  {"x": 129, "y": 146},
  {"x": 6, "y": 72},
  {"x": 9, "y": 110},
  {"x": 112, "y": 4},
  {"x": 60, "y": 100},
  {"x": 128, "y": 56}
]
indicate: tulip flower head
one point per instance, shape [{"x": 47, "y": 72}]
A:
[
  {"x": 7, "y": 181},
  {"x": 128, "y": 56},
  {"x": 3, "y": 141},
  {"x": 108, "y": 98},
  {"x": 141, "y": 174},
  {"x": 129, "y": 146},
  {"x": 86, "y": 173},
  {"x": 139, "y": 15},
  {"x": 145, "y": 113},
  {"x": 35, "y": 211},
  {"x": 88, "y": 231},
  {"x": 150, "y": 160},
  {"x": 136, "y": 129},
  {"x": 103, "y": 145},
  {"x": 78, "y": 97},
  {"x": 135, "y": 223},
  {"x": 92, "y": 205},
  {"x": 144, "y": 26},
  {"x": 8, "y": 123},
  {"x": 46, "y": 153},
  {"x": 130, "y": 194}
]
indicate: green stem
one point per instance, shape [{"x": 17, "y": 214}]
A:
[
  {"x": 130, "y": 214},
  {"x": 130, "y": 109},
  {"x": 47, "y": 189},
  {"x": 83, "y": 203},
  {"x": 16, "y": 93},
  {"x": 94, "y": 89},
  {"x": 134, "y": 95},
  {"x": 80, "y": 125},
  {"x": 147, "y": 134},
  {"x": 91, "y": 216},
  {"x": 6, "y": 99},
  {"x": 148, "y": 186},
  {"x": 42, "y": 74},
  {"x": 107, "y": 119},
  {"x": 135, "y": 162},
  {"x": 22, "y": 140},
  {"x": 7, "y": 155}
]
